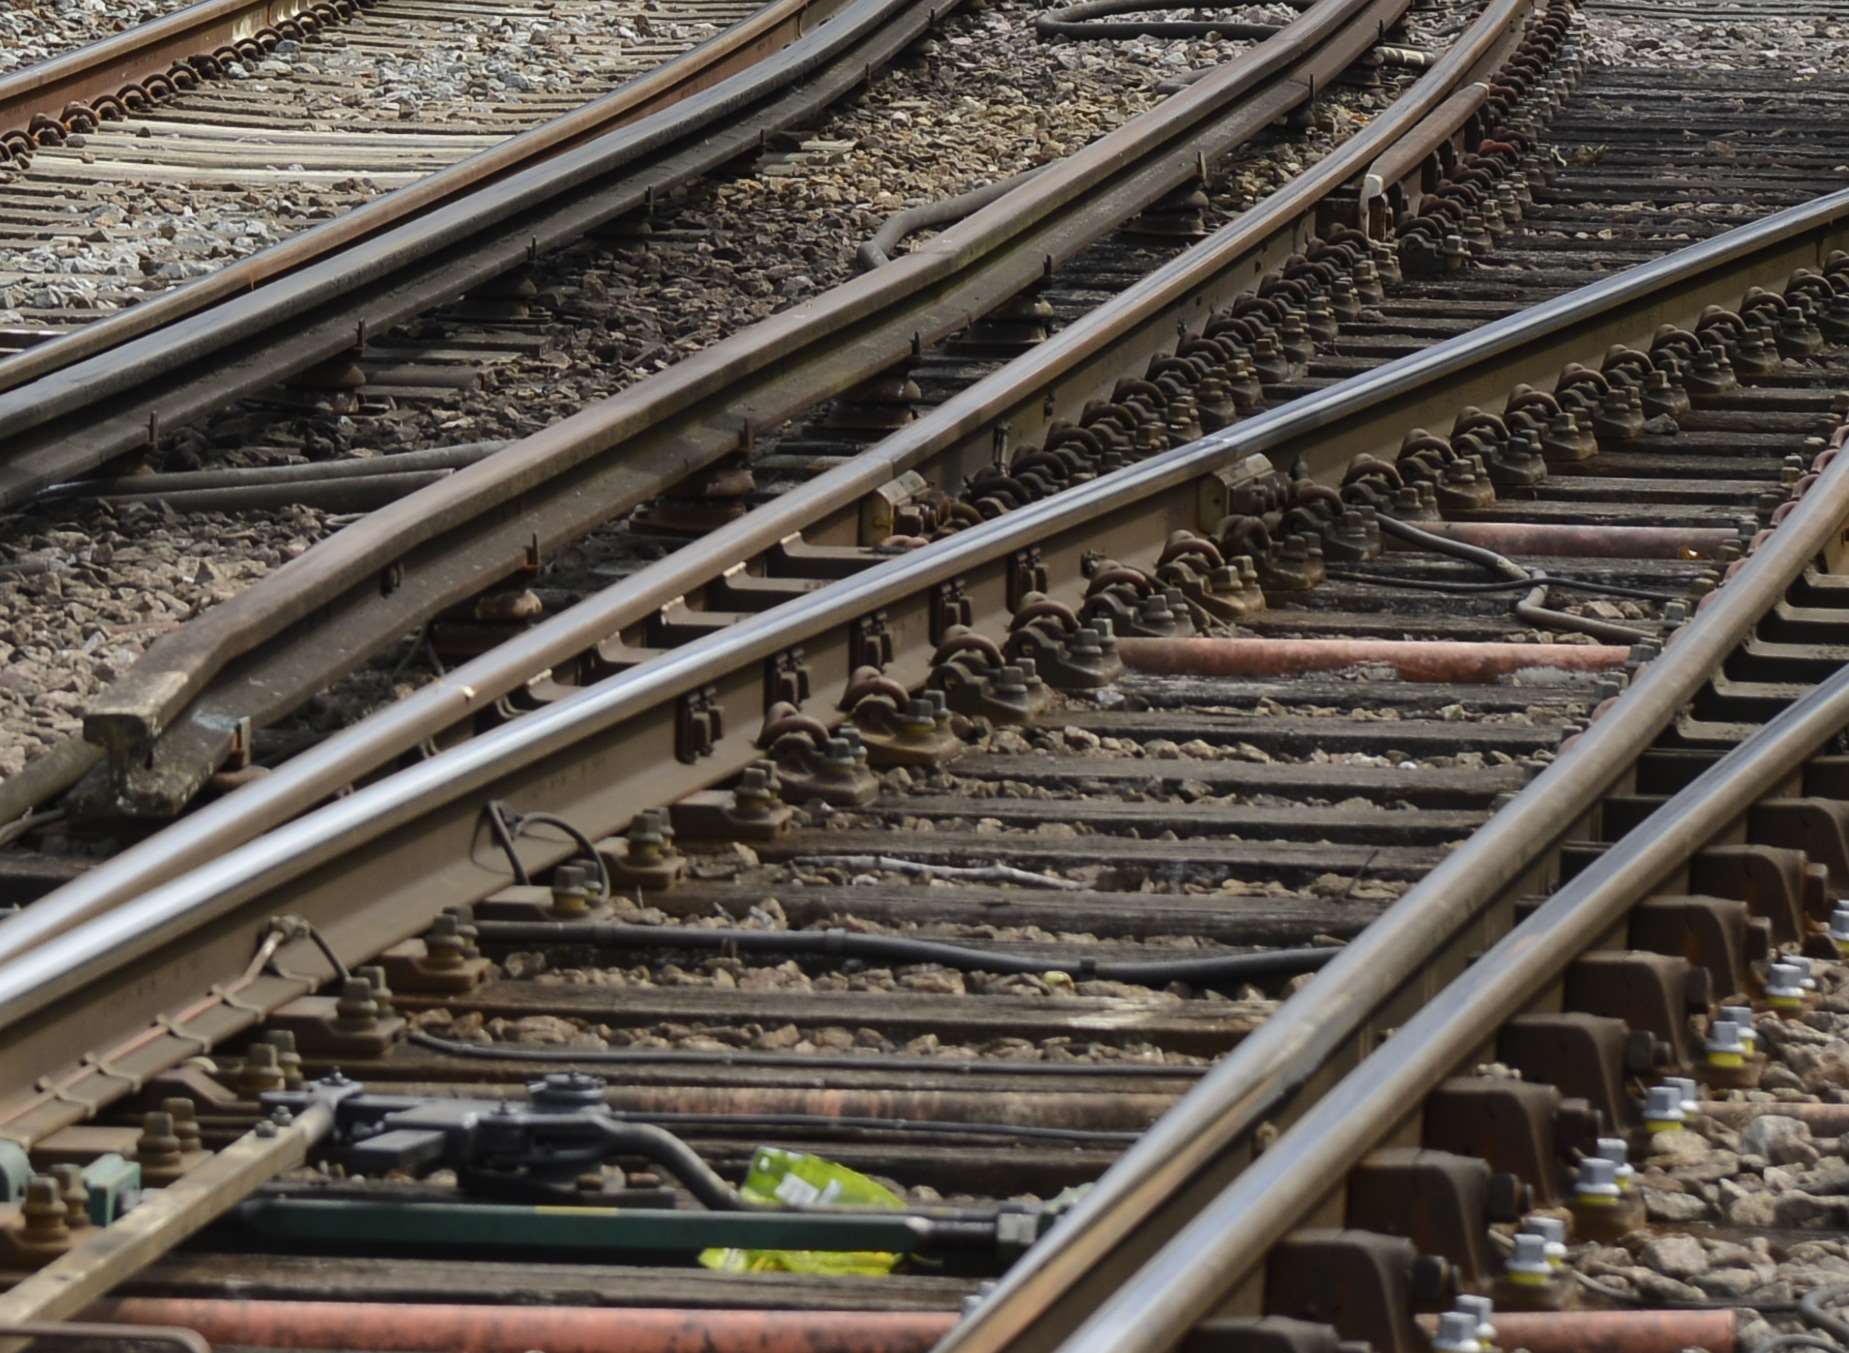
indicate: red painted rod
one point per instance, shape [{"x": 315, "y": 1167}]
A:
[
  {"x": 1583, "y": 542},
  {"x": 1413, "y": 660},
  {"x": 391, "y": 1328},
  {"x": 1614, "y": 1331}
]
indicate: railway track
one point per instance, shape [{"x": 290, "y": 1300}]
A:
[
  {"x": 263, "y": 143},
  {"x": 658, "y": 449},
  {"x": 1314, "y": 693}
]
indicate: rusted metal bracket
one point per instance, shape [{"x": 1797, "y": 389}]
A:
[
  {"x": 1441, "y": 1202},
  {"x": 1512, "y": 1126},
  {"x": 1361, "y": 1283},
  {"x": 1651, "y": 994},
  {"x": 1583, "y": 1056}
]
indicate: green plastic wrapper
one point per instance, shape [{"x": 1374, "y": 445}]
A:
[{"x": 792, "y": 1179}]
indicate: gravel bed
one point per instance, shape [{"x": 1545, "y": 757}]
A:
[
  {"x": 1732, "y": 1205},
  {"x": 1731, "y": 39},
  {"x": 80, "y": 598},
  {"x": 32, "y": 31},
  {"x": 138, "y": 236}
]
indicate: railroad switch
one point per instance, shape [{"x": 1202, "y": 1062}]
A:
[{"x": 549, "y": 1151}]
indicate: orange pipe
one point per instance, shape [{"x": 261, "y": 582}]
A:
[
  {"x": 391, "y": 1328},
  {"x": 336, "y": 1325},
  {"x": 1612, "y": 1331},
  {"x": 1414, "y": 660}
]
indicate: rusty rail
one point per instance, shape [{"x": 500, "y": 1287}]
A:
[
  {"x": 454, "y": 538},
  {"x": 63, "y": 995},
  {"x": 739, "y": 47},
  {"x": 42, "y": 101},
  {"x": 318, "y": 294}
]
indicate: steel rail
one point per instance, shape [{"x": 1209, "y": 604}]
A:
[
  {"x": 823, "y": 509},
  {"x": 39, "y": 94},
  {"x": 372, "y": 868},
  {"x": 735, "y": 49},
  {"x": 449, "y": 541},
  {"x": 1231, "y": 1231},
  {"x": 77, "y": 417}
]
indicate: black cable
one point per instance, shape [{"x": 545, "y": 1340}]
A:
[
  {"x": 1618, "y": 1294},
  {"x": 687, "y": 1165},
  {"x": 843, "y": 944},
  {"x": 498, "y": 823},
  {"x": 1810, "y": 1308},
  {"x": 1533, "y": 609},
  {"x": 873, "y": 1061},
  {"x": 1511, "y": 585},
  {"x": 524, "y": 820},
  {"x": 327, "y": 952}
]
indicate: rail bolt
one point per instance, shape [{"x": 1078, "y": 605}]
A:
[
  {"x": 1457, "y": 1333},
  {"x": 381, "y": 989},
  {"x": 1480, "y": 1309},
  {"x": 1784, "y": 987},
  {"x": 1839, "y": 929},
  {"x": 1663, "y": 1110},
  {"x": 1710, "y": 372},
  {"x": 355, "y": 1011},
  {"x": 1741, "y": 1017},
  {"x": 73, "y": 1194},
  {"x": 1618, "y": 1152},
  {"x": 157, "y": 1150},
  {"x": 573, "y": 891},
  {"x": 186, "y": 1118},
  {"x": 43, "y": 1233},
  {"x": 566, "y": 1090},
  {"x": 1601, "y": 1208},
  {"x": 647, "y": 856},
  {"x": 1529, "y": 1278},
  {"x": 259, "y": 1073},
  {"x": 1553, "y": 1233}
]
